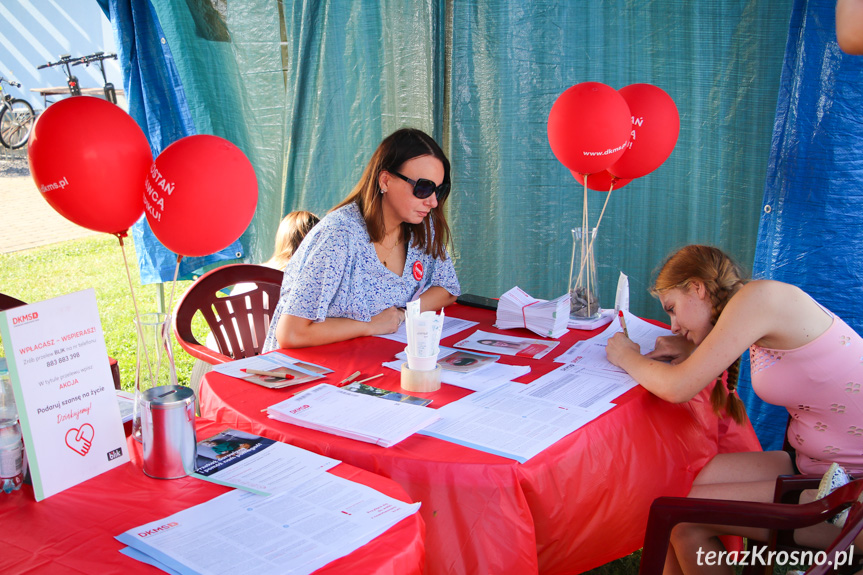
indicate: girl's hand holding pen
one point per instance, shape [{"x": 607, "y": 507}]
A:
[{"x": 618, "y": 346}]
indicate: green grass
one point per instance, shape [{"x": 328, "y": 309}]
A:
[{"x": 97, "y": 262}]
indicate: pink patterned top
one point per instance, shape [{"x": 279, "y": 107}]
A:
[{"x": 821, "y": 385}]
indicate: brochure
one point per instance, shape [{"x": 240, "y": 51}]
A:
[
  {"x": 281, "y": 370},
  {"x": 386, "y": 394},
  {"x": 256, "y": 464},
  {"x": 507, "y": 344}
]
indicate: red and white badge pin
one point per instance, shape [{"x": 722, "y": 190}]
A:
[{"x": 418, "y": 270}]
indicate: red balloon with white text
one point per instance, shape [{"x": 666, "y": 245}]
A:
[
  {"x": 588, "y": 127},
  {"x": 200, "y": 195},
  {"x": 655, "y": 127},
  {"x": 89, "y": 160}
]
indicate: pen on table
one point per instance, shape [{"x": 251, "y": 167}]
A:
[
  {"x": 622, "y": 323},
  {"x": 348, "y": 379},
  {"x": 278, "y": 374},
  {"x": 369, "y": 378}
]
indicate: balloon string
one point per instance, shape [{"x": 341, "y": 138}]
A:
[
  {"x": 137, "y": 313},
  {"x": 592, "y": 238},
  {"x": 607, "y": 197},
  {"x": 585, "y": 246},
  {"x": 174, "y": 285}
]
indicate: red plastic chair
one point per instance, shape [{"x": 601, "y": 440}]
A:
[
  {"x": 239, "y": 322},
  {"x": 8, "y": 302},
  {"x": 781, "y": 518}
]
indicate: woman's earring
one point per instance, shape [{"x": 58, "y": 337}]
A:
[{"x": 383, "y": 191}]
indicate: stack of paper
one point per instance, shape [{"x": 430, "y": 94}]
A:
[
  {"x": 542, "y": 317},
  {"x": 362, "y": 417},
  {"x": 505, "y": 421},
  {"x": 292, "y": 532}
]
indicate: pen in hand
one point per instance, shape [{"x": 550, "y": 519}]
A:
[{"x": 622, "y": 322}]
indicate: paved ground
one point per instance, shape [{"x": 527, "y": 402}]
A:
[{"x": 26, "y": 219}]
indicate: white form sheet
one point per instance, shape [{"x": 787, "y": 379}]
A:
[
  {"x": 295, "y": 532},
  {"x": 505, "y": 422},
  {"x": 591, "y": 352},
  {"x": 362, "y": 417},
  {"x": 451, "y": 325},
  {"x": 576, "y": 386}
]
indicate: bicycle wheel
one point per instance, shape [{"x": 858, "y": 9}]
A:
[{"x": 16, "y": 123}]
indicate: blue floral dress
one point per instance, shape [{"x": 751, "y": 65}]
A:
[{"x": 336, "y": 273}]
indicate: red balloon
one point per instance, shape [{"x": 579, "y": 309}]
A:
[
  {"x": 588, "y": 127},
  {"x": 89, "y": 159},
  {"x": 601, "y": 181},
  {"x": 200, "y": 195},
  {"x": 655, "y": 127}
]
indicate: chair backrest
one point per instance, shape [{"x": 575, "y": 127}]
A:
[
  {"x": 238, "y": 322},
  {"x": 8, "y": 302},
  {"x": 666, "y": 512}
]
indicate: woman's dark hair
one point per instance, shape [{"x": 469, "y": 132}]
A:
[{"x": 396, "y": 149}]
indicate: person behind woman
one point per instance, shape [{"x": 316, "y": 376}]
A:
[
  {"x": 290, "y": 234},
  {"x": 381, "y": 247},
  {"x": 803, "y": 357}
]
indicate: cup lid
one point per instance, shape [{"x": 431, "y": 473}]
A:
[{"x": 168, "y": 396}]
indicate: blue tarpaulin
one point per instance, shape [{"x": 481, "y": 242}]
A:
[
  {"x": 810, "y": 233},
  {"x": 158, "y": 103}
]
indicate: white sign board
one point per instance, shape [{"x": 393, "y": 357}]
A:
[{"x": 64, "y": 390}]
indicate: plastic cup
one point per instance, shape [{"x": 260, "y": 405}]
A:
[{"x": 418, "y": 363}]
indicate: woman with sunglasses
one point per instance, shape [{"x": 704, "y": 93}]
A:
[{"x": 381, "y": 247}]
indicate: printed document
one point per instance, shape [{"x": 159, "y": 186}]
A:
[
  {"x": 451, "y": 326},
  {"x": 355, "y": 415},
  {"x": 506, "y": 422},
  {"x": 295, "y": 532},
  {"x": 590, "y": 353},
  {"x": 257, "y": 464},
  {"x": 575, "y": 386},
  {"x": 507, "y": 344}
]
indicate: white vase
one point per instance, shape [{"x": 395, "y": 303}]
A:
[{"x": 155, "y": 360}]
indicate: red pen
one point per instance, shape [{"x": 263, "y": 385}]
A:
[{"x": 279, "y": 374}]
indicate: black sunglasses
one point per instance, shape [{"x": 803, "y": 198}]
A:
[{"x": 423, "y": 188}]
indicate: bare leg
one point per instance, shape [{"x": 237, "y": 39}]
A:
[{"x": 736, "y": 476}]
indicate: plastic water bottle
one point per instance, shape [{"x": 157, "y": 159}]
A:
[
  {"x": 11, "y": 440},
  {"x": 11, "y": 457}
]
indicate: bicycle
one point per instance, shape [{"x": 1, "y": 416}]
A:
[
  {"x": 66, "y": 61},
  {"x": 99, "y": 58},
  {"x": 16, "y": 118}
]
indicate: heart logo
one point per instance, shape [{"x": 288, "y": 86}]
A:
[{"x": 80, "y": 440}]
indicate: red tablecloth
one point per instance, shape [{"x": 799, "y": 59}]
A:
[
  {"x": 579, "y": 504},
  {"x": 73, "y": 531}
]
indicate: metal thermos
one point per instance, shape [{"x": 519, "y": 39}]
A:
[{"x": 168, "y": 431}]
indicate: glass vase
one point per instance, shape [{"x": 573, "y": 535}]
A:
[
  {"x": 583, "y": 303},
  {"x": 155, "y": 360}
]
